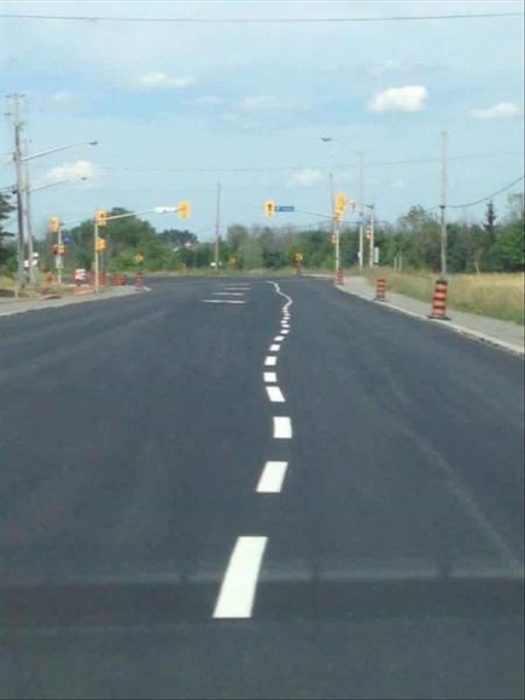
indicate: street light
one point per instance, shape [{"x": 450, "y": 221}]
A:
[{"x": 24, "y": 159}]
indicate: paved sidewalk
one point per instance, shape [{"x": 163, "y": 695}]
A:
[
  {"x": 10, "y": 306},
  {"x": 509, "y": 336}
]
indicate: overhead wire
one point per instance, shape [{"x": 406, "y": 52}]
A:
[{"x": 265, "y": 20}]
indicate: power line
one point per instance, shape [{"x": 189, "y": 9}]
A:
[
  {"x": 266, "y": 20},
  {"x": 276, "y": 168},
  {"x": 490, "y": 196}
]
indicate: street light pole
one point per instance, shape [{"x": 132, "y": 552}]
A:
[
  {"x": 217, "y": 227},
  {"x": 443, "y": 205},
  {"x": 361, "y": 209},
  {"x": 29, "y": 220}
]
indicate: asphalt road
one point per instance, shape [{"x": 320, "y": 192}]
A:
[{"x": 183, "y": 516}]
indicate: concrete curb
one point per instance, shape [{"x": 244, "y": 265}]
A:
[
  {"x": 461, "y": 330},
  {"x": 68, "y": 301}
]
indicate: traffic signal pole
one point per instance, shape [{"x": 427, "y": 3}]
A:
[
  {"x": 59, "y": 258},
  {"x": 95, "y": 261}
]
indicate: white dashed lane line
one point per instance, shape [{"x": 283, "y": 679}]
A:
[
  {"x": 223, "y": 301},
  {"x": 237, "y": 593},
  {"x": 278, "y": 338},
  {"x": 229, "y": 294},
  {"x": 282, "y": 427},
  {"x": 270, "y": 361},
  {"x": 275, "y": 394},
  {"x": 285, "y": 332},
  {"x": 272, "y": 477},
  {"x": 275, "y": 347},
  {"x": 270, "y": 377}
]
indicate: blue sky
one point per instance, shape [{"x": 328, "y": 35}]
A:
[{"x": 173, "y": 104}]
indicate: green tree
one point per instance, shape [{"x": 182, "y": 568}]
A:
[{"x": 7, "y": 253}]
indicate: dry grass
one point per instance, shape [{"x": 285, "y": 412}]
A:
[{"x": 499, "y": 295}]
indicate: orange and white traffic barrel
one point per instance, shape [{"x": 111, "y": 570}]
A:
[
  {"x": 439, "y": 302},
  {"x": 340, "y": 276},
  {"x": 380, "y": 289}
]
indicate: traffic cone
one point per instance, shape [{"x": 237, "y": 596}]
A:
[
  {"x": 439, "y": 302},
  {"x": 380, "y": 289}
]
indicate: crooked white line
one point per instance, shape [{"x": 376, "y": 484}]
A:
[
  {"x": 272, "y": 477},
  {"x": 270, "y": 377},
  {"x": 282, "y": 427},
  {"x": 275, "y": 347},
  {"x": 237, "y": 593},
  {"x": 275, "y": 394},
  {"x": 223, "y": 301},
  {"x": 270, "y": 361}
]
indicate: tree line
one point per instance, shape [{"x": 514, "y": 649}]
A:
[{"x": 413, "y": 241}]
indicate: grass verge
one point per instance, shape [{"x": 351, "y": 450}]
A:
[{"x": 494, "y": 294}]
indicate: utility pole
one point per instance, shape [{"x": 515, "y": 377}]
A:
[
  {"x": 361, "y": 209},
  {"x": 443, "y": 205},
  {"x": 29, "y": 219},
  {"x": 218, "y": 227},
  {"x": 15, "y": 99}
]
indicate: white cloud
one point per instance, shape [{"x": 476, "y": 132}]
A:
[
  {"x": 397, "y": 184},
  {"x": 63, "y": 97},
  {"x": 394, "y": 66},
  {"x": 72, "y": 171},
  {"x": 307, "y": 177},
  {"x": 409, "y": 98},
  {"x": 163, "y": 81},
  {"x": 209, "y": 100},
  {"x": 258, "y": 103},
  {"x": 501, "y": 110}
]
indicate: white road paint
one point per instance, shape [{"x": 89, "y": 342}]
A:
[
  {"x": 270, "y": 377},
  {"x": 285, "y": 332},
  {"x": 278, "y": 338},
  {"x": 275, "y": 394},
  {"x": 223, "y": 301},
  {"x": 229, "y": 294},
  {"x": 270, "y": 361},
  {"x": 272, "y": 477},
  {"x": 237, "y": 593},
  {"x": 285, "y": 325},
  {"x": 275, "y": 347},
  {"x": 282, "y": 427}
]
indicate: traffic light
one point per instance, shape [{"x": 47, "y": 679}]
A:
[
  {"x": 298, "y": 257},
  {"x": 55, "y": 249},
  {"x": 101, "y": 218},
  {"x": 269, "y": 207},
  {"x": 61, "y": 249},
  {"x": 101, "y": 244},
  {"x": 184, "y": 209},
  {"x": 338, "y": 217},
  {"x": 340, "y": 202},
  {"x": 54, "y": 224}
]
